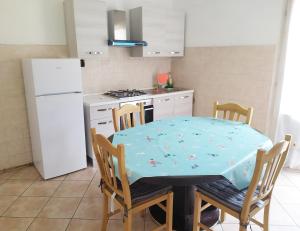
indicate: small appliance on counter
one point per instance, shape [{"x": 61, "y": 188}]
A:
[
  {"x": 164, "y": 80},
  {"x": 55, "y": 110}
]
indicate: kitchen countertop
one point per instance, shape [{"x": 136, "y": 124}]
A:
[{"x": 101, "y": 99}]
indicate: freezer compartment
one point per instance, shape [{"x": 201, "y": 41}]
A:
[
  {"x": 62, "y": 137},
  {"x": 55, "y": 76}
]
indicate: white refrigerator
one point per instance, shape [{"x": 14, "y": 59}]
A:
[{"x": 55, "y": 110}]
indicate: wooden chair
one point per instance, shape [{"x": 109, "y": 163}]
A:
[
  {"x": 132, "y": 198},
  {"x": 244, "y": 204},
  {"x": 125, "y": 116},
  {"x": 234, "y": 111}
]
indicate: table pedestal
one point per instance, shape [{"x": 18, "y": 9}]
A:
[{"x": 183, "y": 210}]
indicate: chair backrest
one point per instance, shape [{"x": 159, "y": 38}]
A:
[
  {"x": 109, "y": 158},
  {"x": 267, "y": 168},
  {"x": 126, "y": 116},
  {"x": 233, "y": 111}
]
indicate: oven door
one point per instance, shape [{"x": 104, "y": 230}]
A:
[{"x": 148, "y": 111}]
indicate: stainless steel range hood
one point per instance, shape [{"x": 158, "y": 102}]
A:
[{"x": 117, "y": 30}]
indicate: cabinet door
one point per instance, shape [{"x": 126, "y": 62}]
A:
[
  {"x": 154, "y": 32},
  {"x": 91, "y": 28},
  {"x": 175, "y": 33},
  {"x": 163, "y": 107},
  {"x": 183, "y": 105}
]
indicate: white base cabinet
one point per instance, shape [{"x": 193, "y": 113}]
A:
[
  {"x": 163, "y": 107},
  {"x": 100, "y": 118},
  {"x": 173, "y": 105}
]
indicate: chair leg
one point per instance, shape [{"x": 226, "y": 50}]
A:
[
  {"x": 222, "y": 218},
  {"x": 128, "y": 221},
  {"x": 243, "y": 228},
  {"x": 197, "y": 211},
  {"x": 105, "y": 213},
  {"x": 169, "y": 213},
  {"x": 266, "y": 217}
]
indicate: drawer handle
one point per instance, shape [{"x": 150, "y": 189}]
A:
[
  {"x": 95, "y": 52},
  {"x": 154, "y": 52},
  {"x": 167, "y": 99},
  {"x": 102, "y": 109},
  {"x": 103, "y": 123},
  {"x": 175, "y": 52},
  {"x": 184, "y": 97}
]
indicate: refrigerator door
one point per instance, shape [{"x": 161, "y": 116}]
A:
[
  {"x": 62, "y": 137},
  {"x": 56, "y": 76}
]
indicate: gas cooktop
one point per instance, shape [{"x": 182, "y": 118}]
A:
[{"x": 124, "y": 93}]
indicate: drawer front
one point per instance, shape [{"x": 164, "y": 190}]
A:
[
  {"x": 163, "y": 107},
  {"x": 99, "y": 112},
  {"x": 104, "y": 126}
]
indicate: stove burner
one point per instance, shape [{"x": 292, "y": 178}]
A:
[{"x": 124, "y": 93}]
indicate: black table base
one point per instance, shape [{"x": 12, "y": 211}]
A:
[{"x": 183, "y": 210}]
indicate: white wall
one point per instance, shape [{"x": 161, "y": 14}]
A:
[
  {"x": 42, "y": 21},
  {"x": 232, "y": 22},
  {"x": 31, "y": 22}
]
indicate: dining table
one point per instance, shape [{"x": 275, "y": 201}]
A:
[{"x": 183, "y": 151}]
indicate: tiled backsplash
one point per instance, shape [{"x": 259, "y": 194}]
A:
[
  {"x": 120, "y": 71},
  {"x": 113, "y": 72},
  {"x": 240, "y": 74}
]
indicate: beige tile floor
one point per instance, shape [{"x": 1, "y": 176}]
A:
[{"x": 73, "y": 203}]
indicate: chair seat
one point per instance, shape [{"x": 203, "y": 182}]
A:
[
  {"x": 224, "y": 192},
  {"x": 141, "y": 191}
]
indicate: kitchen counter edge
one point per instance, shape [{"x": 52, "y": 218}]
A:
[{"x": 100, "y": 99}]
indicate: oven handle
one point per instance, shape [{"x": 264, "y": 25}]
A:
[{"x": 148, "y": 108}]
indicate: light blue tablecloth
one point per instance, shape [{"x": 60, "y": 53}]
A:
[{"x": 184, "y": 146}]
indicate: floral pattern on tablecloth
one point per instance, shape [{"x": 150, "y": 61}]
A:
[{"x": 185, "y": 146}]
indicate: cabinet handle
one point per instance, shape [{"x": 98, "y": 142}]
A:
[
  {"x": 95, "y": 52},
  {"x": 102, "y": 123},
  {"x": 102, "y": 109},
  {"x": 154, "y": 52},
  {"x": 175, "y": 52},
  {"x": 184, "y": 97},
  {"x": 167, "y": 99}
]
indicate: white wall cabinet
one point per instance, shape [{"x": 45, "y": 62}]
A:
[
  {"x": 173, "y": 105},
  {"x": 162, "y": 30},
  {"x": 174, "y": 40},
  {"x": 86, "y": 28},
  {"x": 100, "y": 118}
]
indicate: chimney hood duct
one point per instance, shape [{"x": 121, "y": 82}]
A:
[{"x": 117, "y": 30}]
